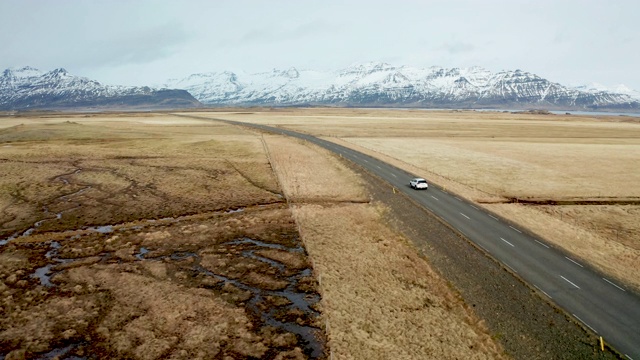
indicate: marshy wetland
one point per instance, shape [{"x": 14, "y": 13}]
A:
[
  {"x": 155, "y": 236},
  {"x": 162, "y": 236},
  {"x": 134, "y": 240}
]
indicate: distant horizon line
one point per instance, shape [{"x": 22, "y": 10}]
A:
[{"x": 593, "y": 84}]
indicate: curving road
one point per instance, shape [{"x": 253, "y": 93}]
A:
[{"x": 608, "y": 309}]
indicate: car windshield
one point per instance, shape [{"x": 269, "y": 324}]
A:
[{"x": 421, "y": 181}]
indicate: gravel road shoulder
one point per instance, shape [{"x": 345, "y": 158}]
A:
[{"x": 527, "y": 326}]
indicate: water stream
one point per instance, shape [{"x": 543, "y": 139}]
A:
[
  {"x": 298, "y": 301},
  {"x": 302, "y": 302},
  {"x": 44, "y": 273},
  {"x": 48, "y": 217}
]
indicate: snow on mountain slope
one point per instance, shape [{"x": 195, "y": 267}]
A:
[
  {"x": 382, "y": 84},
  {"x": 369, "y": 84},
  {"x": 595, "y": 88},
  {"x": 30, "y": 88}
]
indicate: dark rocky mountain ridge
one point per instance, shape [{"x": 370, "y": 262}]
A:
[
  {"x": 363, "y": 85},
  {"x": 28, "y": 88}
]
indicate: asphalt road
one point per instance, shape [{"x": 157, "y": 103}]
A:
[{"x": 608, "y": 309}]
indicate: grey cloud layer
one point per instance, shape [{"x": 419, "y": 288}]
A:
[{"x": 146, "y": 41}]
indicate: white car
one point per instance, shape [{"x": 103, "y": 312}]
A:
[{"x": 419, "y": 184}]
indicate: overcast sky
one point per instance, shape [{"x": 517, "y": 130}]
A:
[{"x": 146, "y": 42}]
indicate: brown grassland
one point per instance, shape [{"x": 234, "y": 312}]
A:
[
  {"x": 154, "y": 236},
  {"x": 573, "y": 180},
  {"x": 380, "y": 299}
]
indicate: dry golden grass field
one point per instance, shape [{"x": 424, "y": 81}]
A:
[
  {"x": 155, "y": 236},
  {"x": 380, "y": 299},
  {"x": 573, "y": 180}
]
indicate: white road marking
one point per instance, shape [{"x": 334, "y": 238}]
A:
[
  {"x": 614, "y": 284},
  {"x": 569, "y": 281},
  {"x": 493, "y": 217},
  {"x": 484, "y": 248},
  {"x": 515, "y": 229},
  {"x": 507, "y": 242},
  {"x": 458, "y": 198},
  {"x": 378, "y": 167},
  {"x": 465, "y": 216},
  {"x": 512, "y": 269},
  {"x": 394, "y": 175},
  {"x": 462, "y": 232},
  {"x": 573, "y": 261},
  {"x": 474, "y": 207},
  {"x": 434, "y": 197},
  {"x": 628, "y": 357},
  {"x": 545, "y": 245},
  {"x": 544, "y": 292},
  {"x": 365, "y": 160},
  {"x": 582, "y": 321}
]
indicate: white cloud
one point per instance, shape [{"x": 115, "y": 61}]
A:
[{"x": 140, "y": 42}]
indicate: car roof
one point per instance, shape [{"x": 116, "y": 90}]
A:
[{"x": 418, "y": 179}]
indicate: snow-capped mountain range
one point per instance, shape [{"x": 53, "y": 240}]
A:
[
  {"x": 618, "y": 89},
  {"x": 362, "y": 85},
  {"x": 30, "y": 88},
  {"x": 381, "y": 84}
]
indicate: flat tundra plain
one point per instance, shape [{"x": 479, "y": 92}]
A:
[
  {"x": 159, "y": 236},
  {"x": 573, "y": 180}
]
